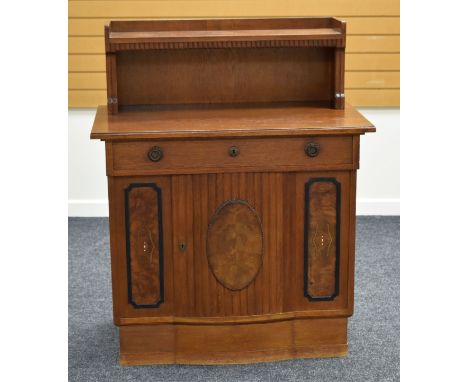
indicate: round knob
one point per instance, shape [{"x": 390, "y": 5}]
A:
[
  {"x": 312, "y": 149},
  {"x": 234, "y": 151},
  {"x": 155, "y": 154}
]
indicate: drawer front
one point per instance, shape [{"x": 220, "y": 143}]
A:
[{"x": 220, "y": 155}]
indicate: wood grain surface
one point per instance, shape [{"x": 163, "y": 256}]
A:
[
  {"x": 199, "y": 156},
  {"x": 229, "y": 121},
  {"x": 157, "y": 62},
  {"x": 194, "y": 298},
  {"x": 235, "y": 244},
  {"x": 223, "y": 249},
  {"x": 190, "y": 289},
  {"x": 188, "y": 344},
  {"x": 188, "y": 76},
  {"x": 144, "y": 246},
  {"x": 321, "y": 239}
]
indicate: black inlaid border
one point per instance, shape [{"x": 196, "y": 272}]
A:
[
  {"x": 308, "y": 185},
  {"x": 132, "y": 186}
]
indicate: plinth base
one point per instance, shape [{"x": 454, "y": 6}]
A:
[{"x": 233, "y": 344}]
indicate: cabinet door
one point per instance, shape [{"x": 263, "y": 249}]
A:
[
  {"x": 261, "y": 243},
  {"x": 141, "y": 245},
  {"x": 230, "y": 260}
]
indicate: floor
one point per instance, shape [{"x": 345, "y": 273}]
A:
[{"x": 374, "y": 330}]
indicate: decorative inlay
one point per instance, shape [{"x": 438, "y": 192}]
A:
[
  {"x": 144, "y": 245},
  {"x": 119, "y": 46},
  {"x": 235, "y": 244},
  {"x": 321, "y": 258}
]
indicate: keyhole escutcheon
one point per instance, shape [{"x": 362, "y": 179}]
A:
[{"x": 234, "y": 151}]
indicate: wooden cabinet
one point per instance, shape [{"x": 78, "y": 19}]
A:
[
  {"x": 232, "y": 226},
  {"x": 181, "y": 225}
]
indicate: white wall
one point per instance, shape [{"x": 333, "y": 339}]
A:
[
  {"x": 378, "y": 181},
  {"x": 378, "y": 191},
  {"x": 87, "y": 182}
]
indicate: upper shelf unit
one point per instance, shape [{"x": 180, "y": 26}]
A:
[
  {"x": 161, "y": 62},
  {"x": 171, "y": 34}
]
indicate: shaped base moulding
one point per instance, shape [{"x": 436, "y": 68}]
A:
[{"x": 233, "y": 344}]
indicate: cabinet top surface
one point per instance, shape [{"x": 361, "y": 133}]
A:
[{"x": 228, "y": 121}]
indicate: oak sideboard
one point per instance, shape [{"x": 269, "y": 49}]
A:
[{"x": 231, "y": 160}]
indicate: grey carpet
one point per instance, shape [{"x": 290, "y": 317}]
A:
[{"x": 374, "y": 330}]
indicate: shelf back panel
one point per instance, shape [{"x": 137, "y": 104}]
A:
[{"x": 234, "y": 75}]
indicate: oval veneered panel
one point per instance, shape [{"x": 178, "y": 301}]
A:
[{"x": 235, "y": 244}]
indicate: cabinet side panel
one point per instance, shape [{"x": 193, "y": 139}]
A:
[
  {"x": 144, "y": 245},
  {"x": 352, "y": 238},
  {"x": 117, "y": 250},
  {"x": 339, "y": 79}
]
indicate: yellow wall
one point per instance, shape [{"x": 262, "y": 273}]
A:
[{"x": 373, "y": 42}]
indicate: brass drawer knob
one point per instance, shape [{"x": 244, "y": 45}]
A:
[
  {"x": 155, "y": 154},
  {"x": 234, "y": 151},
  {"x": 312, "y": 149}
]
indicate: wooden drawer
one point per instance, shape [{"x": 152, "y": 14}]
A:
[{"x": 258, "y": 154}]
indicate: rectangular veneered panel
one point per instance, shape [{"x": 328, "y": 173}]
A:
[
  {"x": 134, "y": 213},
  {"x": 224, "y": 76},
  {"x": 203, "y": 155},
  {"x": 143, "y": 219},
  {"x": 296, "y": 233},
  {"x": 322, "y": 231}
]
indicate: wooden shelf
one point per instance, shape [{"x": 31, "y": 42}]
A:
[
  {"x": 229, "y": 121},
  {"x": 161, "y": 62},
  {"x": 225, "y": 35}
]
